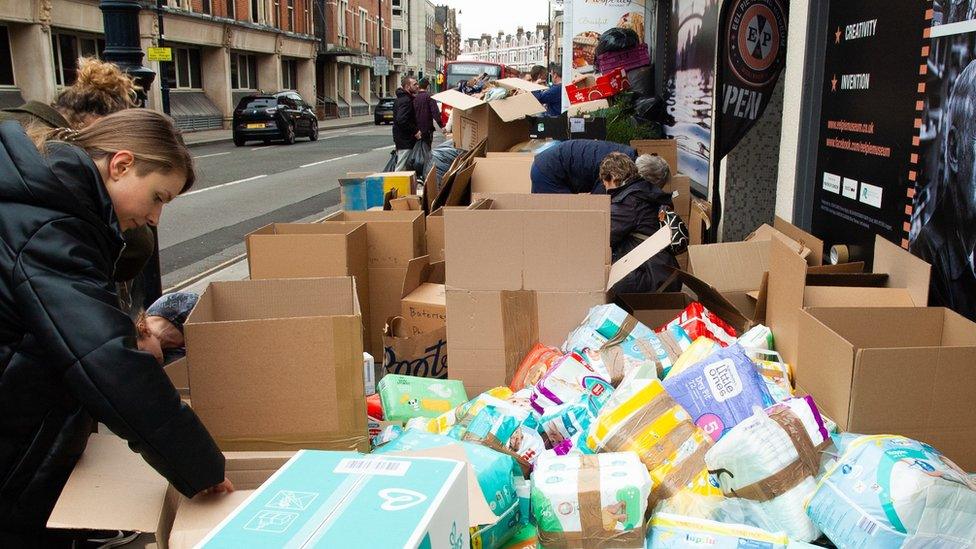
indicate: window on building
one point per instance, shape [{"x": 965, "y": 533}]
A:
[
  {"x": 291, "y": 15},
  {"x": 243, "y": 71},
  {"x": 255, "y": 11},
  {"x": 184, "y": 71},
  {"x": 276, "y": 5},
  {"x": 308, "y": 17},
  {"x": 231, "y": 9},
  {"x": 6, "y": 59},
  {"x": 205, "y": 7},
  {"x": 363, "y": 36},
  {"x": 397, "y": 7},
  {"x": 357, "y": 79},
  {"x": 67, "y": 48},
  {"x": 289, "y": 74},
  {"x": 397, "y": 40},
  {"x": 341, "y": 8}
]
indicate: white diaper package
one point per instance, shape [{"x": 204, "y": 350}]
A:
[
  {"x": 892, "y": 491},
  {"x": 771, "y": 458}
]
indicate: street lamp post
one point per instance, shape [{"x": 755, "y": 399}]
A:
[{"x": 120, "y": 19}]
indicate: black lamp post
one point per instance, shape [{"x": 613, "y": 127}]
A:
[{"x": 120, "y": 19}]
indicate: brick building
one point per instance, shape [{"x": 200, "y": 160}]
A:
[
  {"x": 222, "y": 50},
  {"x": 523, "y": 50}
]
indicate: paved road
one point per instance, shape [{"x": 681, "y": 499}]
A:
[{"x": 241, "y": 189}]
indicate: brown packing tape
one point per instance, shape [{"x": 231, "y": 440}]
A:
[
  {"x": 784, "y": 480},
  {"x": 313, "y": 441},
  {"x": 625, "y": 329},
  {"x": 594, "y": 533},
  {"x": 520, "y": 324},
  {"x": 690, "y": 467},
  {"x": 492, "y": 442}
]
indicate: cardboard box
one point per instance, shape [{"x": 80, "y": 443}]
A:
[
  {"x": 700, "y": 221},
  {"x": 423, "y": 355},
  {"x": 580, "y": 109},
  {"x": 907, "y": 371},
  {"x": 393, "y": 239},
  {"x": 508, "y": 174},
  {"x": 680, "y": 189},
  {"x": 525, "y": 270},
  {"x": 312, "y": 250},
  {"x": 408, "y": 203},
  {"x": 665, "y": 148},
  {"x": 179, "y": 374},
  {"x": 423, "y": 305},
  {"x": 362, "y": 191},
  {"x": 278, "y": 364},
  {"x": 419, "y": 501},
  {"x": 113, "y": 488},
  {"x": 593, "y": 88},
  {"x": 794, "y": 285},
  {"x": 501, "y": 122}
]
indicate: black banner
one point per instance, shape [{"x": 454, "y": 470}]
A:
[{"x": 751, "y": 55}]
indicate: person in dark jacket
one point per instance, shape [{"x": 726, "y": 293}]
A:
[
  {"x": 573, "y": 166},
  {"x": 426, "y": 111},
  {"x": 635, "y": 214},
  {"x": 552, "y": 98},
  {"x": 100, "y": 88},
  {"x": 405, "y": 130},
  {"x": 68, "y": 354}
]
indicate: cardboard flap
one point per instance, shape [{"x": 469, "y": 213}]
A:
[
  {"x": 840, "y": 268},
  {"x": 111, "y": 488},
  {"x": 457, "y": 100},
  {"x": 730, "y": 266},
  {"x": 519, "y": 84},
  {"x": 849, "y": 280},
  {"x": 766, "y": 233},
  {"x": 787, "y": 278},
  {"x": 806, "y": 239},
  {"x": 639, "y": 255},
  {"x": 904, "y": 270},
  {"x": 516, "y": 107},
  {"x": 714, "y": 301},
  {"x": 823, "y": 296},
  {"x": 479, "y": 513},
  {"x": 417, "y": 268}
]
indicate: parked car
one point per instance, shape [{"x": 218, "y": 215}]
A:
[
  {"x": 384, "y": 111},
  {"x": 266, "y": 116}
]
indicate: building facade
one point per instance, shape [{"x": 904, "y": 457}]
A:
[
  {"x": 555, "y": 44},
  {"x": 430, "y": 42},
  {"x": 451, "y": 37},
  {"x": 222, "y": 50},
  {"x": 356, "y": 33},
  {"x": 521, "y": 51}
]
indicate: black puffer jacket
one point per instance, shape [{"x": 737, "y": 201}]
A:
[
  {"x": 634, "y": 210},
  {"x": 67, "y": 353},
  {"x": 404, "y": 121}
]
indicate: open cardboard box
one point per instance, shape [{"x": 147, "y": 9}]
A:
[
  {"x": 502, "y": 121},
  {"x": 738, "y": 269},
  {"x": 507, "y": 174},
  {"x": 278, "y": 364},
  {"x": 423, "y": 301},
  {"x": 665, "y": 148},
  {"x": 113, "y": 488},
  {"x": 910, "y": 371},
  {"x": 900, "y": 280},
  {"x": 435, "y": 228}
]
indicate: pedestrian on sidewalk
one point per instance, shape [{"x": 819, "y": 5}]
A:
[
  {"x": 573, "y": 166},
  {"x": 68, "y": 355},
  {"x": 405, "y": 130},
  {"x": 425, "y": 109},
  {"x": 100, "y": 89}
]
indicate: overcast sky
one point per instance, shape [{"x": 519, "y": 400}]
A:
[{"x": 491, "y": 16}]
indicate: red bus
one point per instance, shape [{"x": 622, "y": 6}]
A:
[{"x": 459, "y": 71}]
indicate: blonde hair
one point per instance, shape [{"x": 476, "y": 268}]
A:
[
  {"x": 100, "y": 89},
  {"x": 654, "y": 169},
  {"x": 150, "y": 136},
  {"x": 618, "y": 167}
]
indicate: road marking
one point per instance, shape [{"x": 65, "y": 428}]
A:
[
  {"x": 209, "y": 155},
  {"x": 225, "y": 185},
  {"x": 329, "y": 160},
  {"x": 386, "y": 148},
  {"x": 343, "y": 135},
  {"x": 259, "y": 148}
]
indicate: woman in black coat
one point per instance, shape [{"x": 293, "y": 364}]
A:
[
  {"x": 68, "y": 355},
  {"x": 635, "y": 214}
]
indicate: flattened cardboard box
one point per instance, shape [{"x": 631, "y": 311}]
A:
[
  {"x": 908, "y": 371},
  {"x": 435, "y": 227},
  {"x": 278, "y": 364},
  {"x": 422, "y": 301},
  {"x": 508, "y": 174},
  {"x": 312, "y": 250},
  {"x": 792, "y": 287}
]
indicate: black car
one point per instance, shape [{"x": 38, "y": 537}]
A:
[
  {"x": 283, "y": 115},
  {"x": 384, "y": 111}
]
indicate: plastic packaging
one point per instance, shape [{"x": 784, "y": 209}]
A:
[
  {"x": 700, "y": 322},
  {"x": 502, "y": 428},
  {"x": 405, "y": 397},
  {"x": 591, "y": 501},
  {"x": 720, "y": 391},
  {"x": 616, "y": 39},
  {"x": 570, "y": 378},
  {"x": 642, "y": 417},
  {"x": 758, "y": 338},
  {"x": 699, "y": 350},
  {"x": 771, "y": 458},
  {"x": 674, "y": 532},
  {"x": 886, "y": 489},
  {"x": 535, "y": 365}
]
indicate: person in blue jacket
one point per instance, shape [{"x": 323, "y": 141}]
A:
[
  {"x": 574, "y": 166},
  {"x": 553, "y": 97}
]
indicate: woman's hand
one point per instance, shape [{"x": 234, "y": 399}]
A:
[{"x": 224, "y": 487}]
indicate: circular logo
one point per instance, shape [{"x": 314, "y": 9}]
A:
[
  {"x": 756, "y": 37},
  {"x": 565, "y": 508}
]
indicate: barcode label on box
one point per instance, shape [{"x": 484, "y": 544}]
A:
[
  {"x": 868, "y": 525},
  {"x": 387, "y": 467}
]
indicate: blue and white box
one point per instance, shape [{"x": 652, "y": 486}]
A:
[{"x": 347, "y": 499}]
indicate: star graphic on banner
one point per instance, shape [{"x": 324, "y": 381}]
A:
[
  {"x": 833, "y": 83},
  {"x": 837, "y": 34}
]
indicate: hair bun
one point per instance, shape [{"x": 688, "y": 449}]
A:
[{"x": 95, "y": 76}]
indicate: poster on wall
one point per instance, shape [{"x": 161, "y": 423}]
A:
[
  {"x": 896, "y": 155},
  {"x": 689, "y": 59}
]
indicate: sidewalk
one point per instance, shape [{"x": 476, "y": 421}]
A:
[{"x": 206, "y": 137}]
